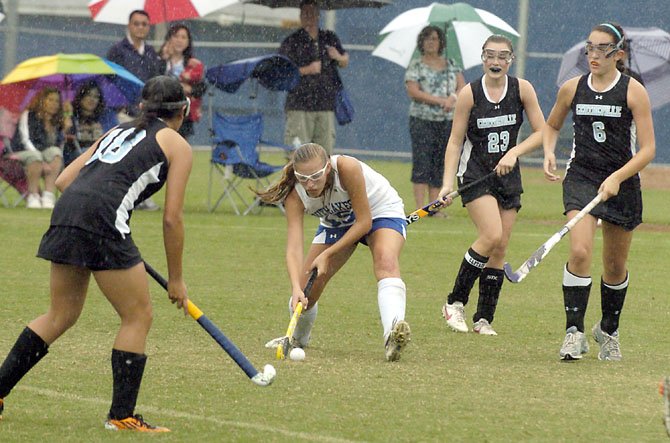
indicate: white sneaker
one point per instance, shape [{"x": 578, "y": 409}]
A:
[
  {"x": 574, "y": 345},
  {"x": 609, "y": 344},
  {"x": 33, "y": 201},
  {"x": 148, "y": 205},
  {"x": 455, "y": 316},
  {"x": 483, "y": 327},
  {"x": 48, "y": 200}
]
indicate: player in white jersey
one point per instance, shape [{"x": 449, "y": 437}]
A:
[
  {"x": 355, "y": 204},
  {"x": 608, "y": 108}
]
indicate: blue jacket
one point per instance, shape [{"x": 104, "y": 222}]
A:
[{"x": 143, "y": 66}]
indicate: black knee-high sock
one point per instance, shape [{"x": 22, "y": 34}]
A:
[
  {"x": 611, "y": 301},
  {"x": 127, "y": 371},
  {"x": 490, "y": 284},
  {"x": 576, "y": 292},
  {"x": 471, "y": 268},
  {"x": 26, "y": 352}
]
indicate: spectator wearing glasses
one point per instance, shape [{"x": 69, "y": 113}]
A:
[
  {"x": 488, "y": 115},
  {"x": 610, "y": 111},
  {"x": 140, "y": 58},
  {"x": 355, "y": 204}
]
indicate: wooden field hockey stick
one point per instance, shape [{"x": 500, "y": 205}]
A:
[
  {"x": 282, "y": 349},
  {"x": 433, "y": 207},
  {"x": 264, "y": 378},
  {"x": 541, "y": 252}
]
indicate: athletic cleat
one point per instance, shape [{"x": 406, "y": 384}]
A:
[
  {"x": 399, "y": 337},
  {"x": 574, "y": 345},
  {"x": 2, "y": 407},
  {"x": 455, "y": 316},
  {"x": 483, "y": 327},
  {"x": 609, "y": 344},
  {"x": 275, "y": 342},
  {"x": 133, "y": 423}
]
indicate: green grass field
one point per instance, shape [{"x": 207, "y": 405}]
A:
[{"x": 447, "y": 387}]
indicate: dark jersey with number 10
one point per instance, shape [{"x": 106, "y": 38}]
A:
[
  {"x": 126, "y": 168},
  {"x": 493, "y": 129},
  {"x": 605, "y": 134}
]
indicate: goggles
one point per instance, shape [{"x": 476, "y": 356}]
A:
[
  {"x": 305, "y": 178},
  {"x": 606, "y": 49},
  {"x": 504, "y": 56}
]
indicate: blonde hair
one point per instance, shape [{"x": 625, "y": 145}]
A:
[{"x": 278, "y": 192}]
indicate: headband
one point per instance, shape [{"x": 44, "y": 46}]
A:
[
  {"x": 616, "y": 31},
  {"x": 153, "y": 106}
]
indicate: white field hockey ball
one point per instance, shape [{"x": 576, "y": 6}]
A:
[{"x": 297, "y": 354}]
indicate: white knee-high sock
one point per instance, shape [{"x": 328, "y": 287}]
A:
[
  {"x": 391, "y": 295},
  {"x": 303, "y": 329}
]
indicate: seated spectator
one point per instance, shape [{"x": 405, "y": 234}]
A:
[
  {"x": 38, "y": 143},
  {"x": 90, "y": 120},
  {"x": 177, "y": 51}
]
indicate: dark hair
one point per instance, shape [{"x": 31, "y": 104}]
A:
[
  {"x": 82, "y": 92},
  {"x": 425, "y": 33},
  {"x": 37, "y": 105},
  {"x": 188, "y": 52},
  {"x": 309, "y": 3},
  {"x": 497, "y": 38},
  {"x": 140, "y": 12},
  {"x": 616, "y": 32},
  {"x": 278, "y": 192},
  {"x": 162, "y": 97}
]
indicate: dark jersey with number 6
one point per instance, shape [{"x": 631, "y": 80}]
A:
[
  {"x": 126, "y": 168},
  {"x": 493, "y": 129},
  {"x": 604, "y": 130}
]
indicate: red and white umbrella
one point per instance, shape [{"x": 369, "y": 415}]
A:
[{"x": 117, "y": 11}]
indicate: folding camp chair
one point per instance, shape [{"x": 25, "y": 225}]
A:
[
  {"x": 13, "y": 177},
  {"x": 235, "y": 160}
]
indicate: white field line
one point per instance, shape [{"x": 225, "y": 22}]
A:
[{"x": 184, "y": 415}]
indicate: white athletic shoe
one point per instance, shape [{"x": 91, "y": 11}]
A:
[
  {"x": 399, "y": 337},
  {"x": 483, "y": 327},
  {"x": 33, "y": 201},
  {"x": 609, "y": 344},
  {"x": 275, "y": 342},
  {"x": 48, "y": 200},
  {"x": 455, "y": 316},
  {"x": 574, "y": 345}
]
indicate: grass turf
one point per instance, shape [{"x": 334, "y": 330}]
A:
[{"x": 448, "y": 386}]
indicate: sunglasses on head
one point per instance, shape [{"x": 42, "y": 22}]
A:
[{"x": 305, "y": 178}]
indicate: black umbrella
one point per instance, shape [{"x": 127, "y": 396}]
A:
[{"x": 323, "y": 4}]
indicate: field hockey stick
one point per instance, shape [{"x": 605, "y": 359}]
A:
[
  {"x": 264, "y": 378},
  {"x": 542, "y": 251},
  {"x": 282, "y": 349},
  {"x": 433, "y": 207}
]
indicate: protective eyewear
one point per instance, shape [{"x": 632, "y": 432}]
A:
[
  {"x": 606, "y": 49},
  {"x": 502, "y": 56},
  {"x": 305, "y": 178}
]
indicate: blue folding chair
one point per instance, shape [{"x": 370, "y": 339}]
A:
[{"x": 235, "y": 160}]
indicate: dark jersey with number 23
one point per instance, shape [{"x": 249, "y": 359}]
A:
[{"x": 493, "y": 129}]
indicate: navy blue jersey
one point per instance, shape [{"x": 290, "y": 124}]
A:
[
  {"x": 493, "y": 129},
  {"x": 604, "y": 131},
  {"x": 126, "y": 168}
]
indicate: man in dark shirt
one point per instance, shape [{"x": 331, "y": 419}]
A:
[
  {"x": 142, "y": 60},
  {"x": 310, "y": 106}
]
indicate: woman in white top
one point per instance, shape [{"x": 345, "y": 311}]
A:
[{"x": 355, "y": 204}]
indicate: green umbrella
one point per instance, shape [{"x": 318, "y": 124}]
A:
[{"x": 466, "y": 29}]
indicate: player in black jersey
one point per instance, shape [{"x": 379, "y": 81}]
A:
[
  {"x": 90, "y": 234},
  {"x": 609, "y": 111},
  {"x": 489, "y": 113}
]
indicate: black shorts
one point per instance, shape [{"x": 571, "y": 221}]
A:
[
  {"x": 624, "y": 209},
  {"x": 429, "y": 141},
  {"x": 73, "y": 246},
  {"x": 493, "y": 186}
]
